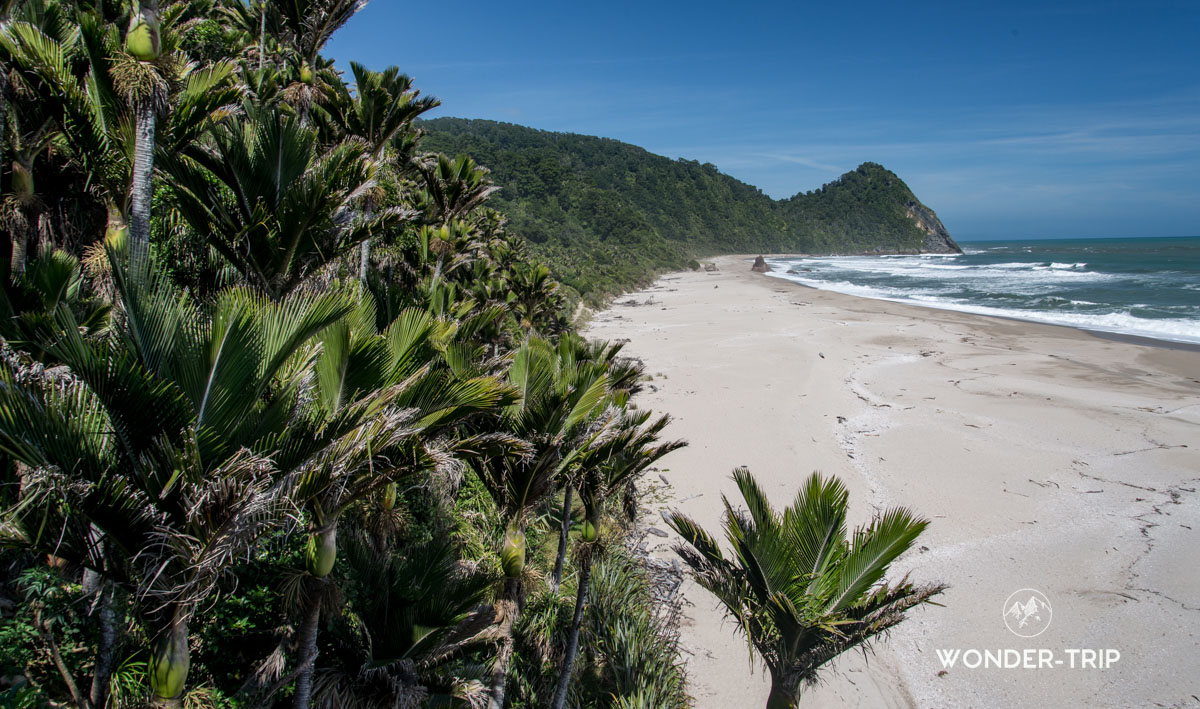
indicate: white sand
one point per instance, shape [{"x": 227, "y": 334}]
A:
[{"x": 1046, "y": 458}]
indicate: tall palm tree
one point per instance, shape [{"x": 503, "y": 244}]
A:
[
  {"x": 357, "y": 367},
  {"x": 30, "y": 134},
  {"x": 624, "y": 380},
  {"x": 799, "y": 588},
  {"x": 6, "y": 7},
  {"x": 559, "y": 400},
  {"x": 291, "y": 29},
  {"x": 290, "y": 35},
  {"x": 380, "y": 108},
  {"x": 99, "y": 96},
  {"x": 622, "y": 448},
  {"x": 380, "y": 113},
  {"x": 145, "y": 88},
  {"x": 454, "y": 186},
  {"x": 452, "y": 189},
  {"x": 150, "y": 462}
]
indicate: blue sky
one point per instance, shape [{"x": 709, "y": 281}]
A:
[{"x": 1011, "y": 119}]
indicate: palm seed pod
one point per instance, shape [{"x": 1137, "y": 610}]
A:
[
  {"x": 22, "y": 182},
  {"x": 590, "y": 529},
  {"x": 321, "y": 552},
  {"x": 512, "y": 554},
  {"x": 143, "y": 38},
  {"x": 388, "y": 501}
]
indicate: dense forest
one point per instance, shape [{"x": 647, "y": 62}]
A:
[
  {"x": 607, "y": 215},
  {"x": 291, "y": 416},
  {"x": 287, "y": 416}
]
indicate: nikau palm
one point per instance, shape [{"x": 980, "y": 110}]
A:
[
  {"x": 559, "y": 398},
  {"x": 274, "y": 202},
  {"x": 147, "y": 91},
  {"x": 105, "y": 88},
  {"x": 620, "y": 450},
  {"x": 405, "y": 402},
  {"x": 150, "y": 442},
  {"x": 800, "y": 589}
]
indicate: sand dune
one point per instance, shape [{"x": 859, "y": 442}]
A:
[{"x": 1046, "y": 458}]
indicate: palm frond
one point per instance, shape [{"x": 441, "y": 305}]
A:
[{"x": 872, "y": 551}]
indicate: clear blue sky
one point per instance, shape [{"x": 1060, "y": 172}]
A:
[{"x": 1011, "y": 119}]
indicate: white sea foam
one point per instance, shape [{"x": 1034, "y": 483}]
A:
[
  {"x": 1121, "y": 322},
  {"x": 1034, "y": 276}
]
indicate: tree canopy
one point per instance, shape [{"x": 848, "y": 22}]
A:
[{"x": 607, "y": 216}]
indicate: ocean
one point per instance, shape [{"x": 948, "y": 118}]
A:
[{"x": 1148, "y": 287}]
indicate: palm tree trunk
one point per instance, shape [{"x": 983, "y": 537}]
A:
[
  {"x": 509, "y": 607},
  {"x": 562, "y": 537},
  {"x": 21, "y": 187},
  {"x": 141, "y": 188},
  {"x": 20, "y": 250},
  {"x": 308, "y": 652},
  {"x": 117, "y": 226},
  {"x": 169, "y": 664},
  {"x": 18, "y": 260},
  {"x": 785, "y": 692},
  {"x": 262, "y": 36},
  {"x": 585, "y": 575},
  {"x": 106, "y": 647},
  {"x": 3, "y": 103},
  {"x": 364, "y": 262}
]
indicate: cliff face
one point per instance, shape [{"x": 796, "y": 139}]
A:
[{"x": 937, "y": 239}]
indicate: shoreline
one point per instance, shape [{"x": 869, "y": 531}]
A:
[
  {"x": 1102, "y": 334},
  {"x": 1024, "y": 443},
  {"x": 1145, "y": 340}
]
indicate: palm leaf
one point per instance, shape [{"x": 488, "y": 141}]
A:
[
  {"x": 815, "y": 525},
  {"x": 873, "y": 549}
]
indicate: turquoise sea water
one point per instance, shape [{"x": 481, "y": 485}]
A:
[{"x": 1148, "y": 287}]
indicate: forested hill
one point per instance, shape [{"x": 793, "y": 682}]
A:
[{"x": 608, "y": 215}]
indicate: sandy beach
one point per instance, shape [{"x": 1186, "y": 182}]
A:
[{"x": 1046, "y": 458}]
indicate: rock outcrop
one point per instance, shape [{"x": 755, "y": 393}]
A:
[
  {"x": 761, "y": 265},
  {"x": 937, "y": 239}
]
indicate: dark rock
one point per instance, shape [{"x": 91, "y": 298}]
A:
[
  {"x": 761, "y": 265},
  {"x": 710, "y": 267}
]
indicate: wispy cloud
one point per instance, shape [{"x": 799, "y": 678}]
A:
[{"x": 800, "y": 160}]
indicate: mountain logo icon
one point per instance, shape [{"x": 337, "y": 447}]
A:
[{"x": 1027, "y": 613}]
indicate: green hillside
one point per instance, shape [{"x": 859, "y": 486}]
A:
[{"x": 608, "y": 215}]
